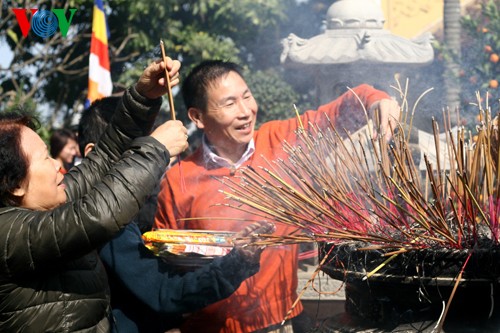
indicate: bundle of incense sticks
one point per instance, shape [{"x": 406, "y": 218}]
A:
[
  {"x": 198, "y": 237},
  {"x": 181, "y": 242},
  {"x": 363, "y": 189},
  {"x": 180, "y": 249}
]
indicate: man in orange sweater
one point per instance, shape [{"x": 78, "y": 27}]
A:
[{"x": 220, "y": 103}]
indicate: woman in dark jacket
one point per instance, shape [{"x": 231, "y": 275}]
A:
[{"x": 51, "y": 279}]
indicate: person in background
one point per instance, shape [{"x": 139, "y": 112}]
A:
[
  {"x": 147, "y": 294},
  {"x": 221, "y": 105},
  {"x": 92, "y": 123},
  {"x": 64, "y": 148},
  {"x": 51, "y": 278}
]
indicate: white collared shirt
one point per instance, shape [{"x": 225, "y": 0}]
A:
[{"x": 210, "y": 156}]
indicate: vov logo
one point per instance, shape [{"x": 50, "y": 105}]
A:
[{"x": 44, "y": 23}]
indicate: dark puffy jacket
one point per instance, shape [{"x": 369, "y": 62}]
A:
[{"x": 51, "y": 279}]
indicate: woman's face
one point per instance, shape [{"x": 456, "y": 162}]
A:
[
  {"x": 69, "y": 151},
  {"x": 42, "y": 188}
]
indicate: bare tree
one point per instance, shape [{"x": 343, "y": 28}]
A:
[{"x": 52, "y": 69}]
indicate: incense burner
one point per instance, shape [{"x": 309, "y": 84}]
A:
[{"x": 415, "y": 286}]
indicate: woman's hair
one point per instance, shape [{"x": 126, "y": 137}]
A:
[
  {"x": 13, "y": 161},
  {"x": 195, "y": 86},
  {"x": 59, "y": 139}
]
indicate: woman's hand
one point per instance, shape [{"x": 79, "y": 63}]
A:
[
  {"x": 152, "y": 83},
  {"x": 244, "y": 239},
  {"x": 173, "y": 135}
]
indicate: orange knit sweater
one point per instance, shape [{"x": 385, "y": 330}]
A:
[{"x": 264, "y": 299}]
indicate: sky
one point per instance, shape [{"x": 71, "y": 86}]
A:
[{"x": 5, "y": 54}]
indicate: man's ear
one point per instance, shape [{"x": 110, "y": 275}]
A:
[
  {"x": 196, "y": 116},
  {"x": 88, "y": 148}
]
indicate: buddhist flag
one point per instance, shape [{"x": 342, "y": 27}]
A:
[{"x": 100, "y": 84}]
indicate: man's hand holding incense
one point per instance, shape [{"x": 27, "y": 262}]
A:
[
  {"x": 243, "y": 240},
  {"x": 387, "y": 112}
]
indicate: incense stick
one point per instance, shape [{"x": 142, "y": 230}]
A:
[
  {"x": 167, "y": 78},
  {"x": 172, "y": 108}
]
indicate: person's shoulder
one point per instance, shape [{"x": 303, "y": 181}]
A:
[
  {"x": 274, "y": 130},
  {"x": 367, "y": 88},
  {"x": 11, "y": 212},
  {"x": 188, "y": 164},
  {"x": 270, "y": 126},
  {"x": 5, "y": 210},
  {"x": 192, "y": 159},
  {"x": 195, "y": 155},
  {"x": 364, "y": 86}
]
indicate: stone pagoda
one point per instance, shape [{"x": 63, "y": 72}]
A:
[{"x": 354, "y": 48}]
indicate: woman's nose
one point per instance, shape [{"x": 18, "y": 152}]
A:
[{"x": 57, "y": 164}]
